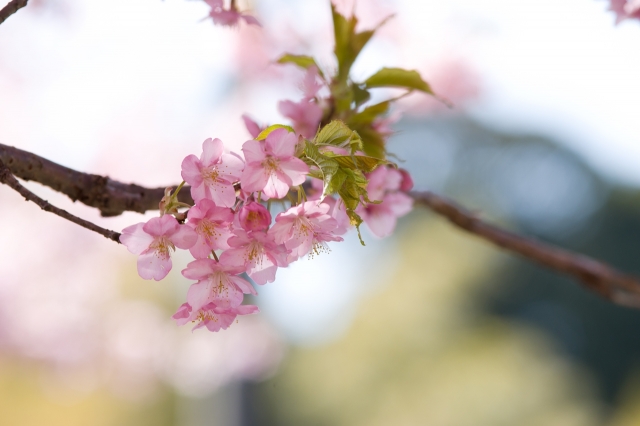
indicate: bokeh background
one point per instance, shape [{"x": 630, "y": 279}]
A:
[{"x": 430, "y": 326}]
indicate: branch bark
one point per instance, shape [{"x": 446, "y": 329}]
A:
[
  {"x": 112, "y": 198},
  {"x": 12, "y": 7},
  {"x": 8, "y": 179},
  {"x": 597, "y": 276}
]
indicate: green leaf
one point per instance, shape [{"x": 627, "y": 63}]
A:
[
  {"x": 356, "y": 221},
  {"x": 398, "y": 77},
  {"x": 302, "y": 61},
  {"x": 349, "y": 44},
  {"x": 373, "y": 144},
  {"x": 358, "y": 162},
  {"x": 360, "y": 95},
  {"x": 327, "y": 167},
  {"x": 334, "y": 133},
  {"x": 339, "y": 134},
  {"x": 369, "y": 114},
  {"x": 263, "y": 134}
]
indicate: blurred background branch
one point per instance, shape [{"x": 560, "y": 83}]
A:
[{"x": 12, "y": 7}]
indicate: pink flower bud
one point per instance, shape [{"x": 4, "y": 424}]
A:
[
  {"x": 254, "y": 217},
  {"x": 407, "y": 181}
]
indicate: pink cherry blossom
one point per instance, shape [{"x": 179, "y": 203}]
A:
[
  {"x": 382, "y": 180},
  {"x": 215, "y": 318},
  {"x": 311, "y": 83},
  {"x": 381, "y": 218},
  {"x": 338, "y": 211},
  {"x": 213, "y": 226},
  {"x": 272, "y": 166},
  {"x": 217, "y": 282},
  {"x": 153, "y": 242},
  {"x": 213, "y": 174},
  {"x": 305, "y": 228},
  {"x": 254, "y": 217},
  {"x": 228, "y": 17},
  {"x": 305, "y": 115},
  {"x": 257, "y": 253}
]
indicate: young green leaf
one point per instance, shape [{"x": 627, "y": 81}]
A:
[
  {"x": 369, "y": 114},
  {"x": 263, "y": 134},
  {"x": 358, "y": 162},
  {"x": 398, "y": 77},
  {"x": 300, "y": 60}
]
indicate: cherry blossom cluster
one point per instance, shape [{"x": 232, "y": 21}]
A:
[
  {"x": 327, "y": 173},
  {"x": 230, "y": 232}
]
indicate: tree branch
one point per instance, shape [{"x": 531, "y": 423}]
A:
[
  {"x": 7, "y": 178},
  {"x": 596, "y": 276},
  {"x": 112, "y": 198},
  {"x": 109, "y": 196},
  {"x": 12, "y": 7}
]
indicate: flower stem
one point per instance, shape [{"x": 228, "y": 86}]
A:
[{"x": 215, "y": 256}]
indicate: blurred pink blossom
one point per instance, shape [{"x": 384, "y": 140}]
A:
[{"x": 228, "y": 17}]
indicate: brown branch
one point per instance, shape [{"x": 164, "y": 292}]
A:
[
  {"x": 12, "y": 7},
  {"x": 597, "y": 276},
  {"x": 107, "y": 195},
  {"x": 112, "y": 198},
  {"x": 7, "y": 178}
]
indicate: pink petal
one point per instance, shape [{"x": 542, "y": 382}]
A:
[
  {"x": 263, "y": 273},
  {"x": 281, "y": 143},
  {"x": 295, "y": 169},
  {"x": 199, "y": 269},
  {"x": 184, "y": 237},
  {"x": 191, "y": 170},
  {"x": 276, "y": 186},
  {"x": 250, "y": 20},
  {"x": 159, "y": 226},
  {"x": 199, "y": 294},
  {"x": 135, "y": 239},
  {"x": 253, "y": 151},
  {"x": 231, "y": 166},
  {"x": 243, "y": 285},
  {"x": 222, "y": 194},
  {"x": 211, "y": 152},
  {"x": 252, "y": 127},
  {"x": 247, "y": 309},
  {"x": 254, "y": 178},
  {"x": 152, "y": 266}
]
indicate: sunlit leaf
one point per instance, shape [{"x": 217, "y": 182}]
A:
[
  {"x": 358, "y": 162},
  {"x": 263, "y": 134},
  {"x": 302, "y": 61},
  {"x": 369, "y": 114},
  {"x": 398, "y": 77}
]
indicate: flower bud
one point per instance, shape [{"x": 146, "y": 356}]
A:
[
  {"x": 254, "y": 217},
  {"x": 407, "y": 180}
]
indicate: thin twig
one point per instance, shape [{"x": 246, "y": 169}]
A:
[
  {"x": 12, "y": 7},
  {"x": 7, "y": 178},
  {"x": 597, "y": 276}
]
